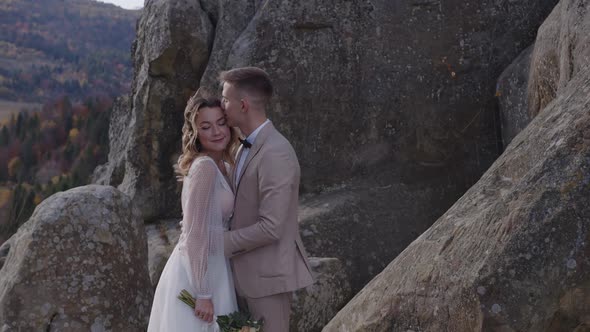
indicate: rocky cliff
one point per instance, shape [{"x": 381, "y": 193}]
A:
[
  {"x": 78, "y": 264},
  {"x": 388, "y": 102},
  {"x": 513, "y": 253}
]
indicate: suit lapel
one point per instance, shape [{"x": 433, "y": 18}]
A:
[{"x": 260, "y": 139}]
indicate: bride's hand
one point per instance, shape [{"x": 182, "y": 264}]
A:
[{"x": 204, "y": 309}]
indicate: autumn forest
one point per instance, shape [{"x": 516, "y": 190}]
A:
[{"x": 62, "y": 64}]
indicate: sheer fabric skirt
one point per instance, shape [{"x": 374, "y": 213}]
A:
[{"x": 170, "y": 314}]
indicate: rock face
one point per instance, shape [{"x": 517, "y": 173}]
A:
[
  {"x": 400, "y": 83},
  {"x": 120, "y": 137},
  {"x": 390, "y": 102},
  {"x": 364, "y": 223},
  {"x": 512, "y": 92},
  {"x": 360, "y": 84},
  {"x": 162, "y": 237},
  {"x": 169, "y": 55},
  {"x": 314, "y": 306},
  {"x": 513, "y": 254},
  {"x": 536, "y": 77},
  {"x": 79, "y": 264},
  {"x": 4, "y": 250},
  {"x": 561, "y": 51}
]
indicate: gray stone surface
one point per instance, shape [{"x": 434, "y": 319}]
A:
[
  {"x": 536, "y": 76},
  {"x": 561, "y": 50},
  {"x": 4, "y": 250},
  {"x": 360, "y": 85},
  {"x": 512, "y": 96},
  {"x": 162, "y": 237},
  {"x": 513, "y": 254},
  {"x": 388, "y": 103},
  {"x": 78, "y": 264},
  {"x": 169, "y": 56},
  {"x": 120, "y": 136},
  {"x": 409, "y": 84},
  {"x": 315, "y": 305},
  {"x": 366, "y": 223}
]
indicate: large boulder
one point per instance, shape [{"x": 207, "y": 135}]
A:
[
  {"x": 562, "y": 49},
  {"x": 513, "y": 254},
  {"x": 405, "y": 83},
  {"x": 512, "y": 93},
  {"x": 315, "y": 305},
  {"x": 363, "y": 222},
  {"x": 169, "y": 56},
  {"x": 120, "y": 136},
  {"x": 4, "y": 250},
  {"x": 392, "y": 101},
  {"x": 360, "y": 84},
  {"x": 537, "y": 75},
  {"x": 162, "y": 237},
  {"x": 78, "y": 264}
]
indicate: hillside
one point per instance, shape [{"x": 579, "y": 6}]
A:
[
  {"x": 64, "y": 47},
  {"x": 50, "y": 150}
]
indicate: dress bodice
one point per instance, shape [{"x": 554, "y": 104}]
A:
[
  {"x": 207, "y": 205},
  {"x": 226, "y": 200},
  {"x": 224, "y": 196}
]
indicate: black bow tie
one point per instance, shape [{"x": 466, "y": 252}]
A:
[{"x": 245, "y": 143}]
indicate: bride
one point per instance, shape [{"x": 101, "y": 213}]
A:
[{"x": 197, "y": 263}]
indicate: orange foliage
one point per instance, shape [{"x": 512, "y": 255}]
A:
[
  {"x": 14, "y": 165},
  {"x": 74, "y": 132},
  {"x": 5, "y": 196}
]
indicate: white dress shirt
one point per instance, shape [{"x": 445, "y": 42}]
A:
[{"x": 251, "y": 138}]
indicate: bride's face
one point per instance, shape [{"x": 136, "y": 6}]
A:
[{"x": 213, "y": 131}]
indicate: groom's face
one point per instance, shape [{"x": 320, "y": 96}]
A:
[{"x": 232, "y": 104}]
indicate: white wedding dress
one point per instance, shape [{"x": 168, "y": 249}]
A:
[{"x": 197, "y": 263}]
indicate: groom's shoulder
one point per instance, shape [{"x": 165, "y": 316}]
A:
[
  {"x": 280, "y": 142},
  {"x": 280, "y": 149}
]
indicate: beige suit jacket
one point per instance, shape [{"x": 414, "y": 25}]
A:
[{"x": 264, "y": 244}]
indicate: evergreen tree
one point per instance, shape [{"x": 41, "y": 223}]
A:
[
  {"x": 67, "y": 105},
  {"x": 34, "y": 121},
  {"x": 23, "y": 205},
  {"x": 68, "y": 122},
  {"x": 76, "y": 180},
  {"x": 14, "y": 167},
  {"x": 19, "y": 124},
  {"x": 28, "y": 157},
  {"x": 70, "y": 151},
  {"x": 4, "y": 136}
]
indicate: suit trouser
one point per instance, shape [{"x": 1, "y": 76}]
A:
[{"x": 274, "y": 309}]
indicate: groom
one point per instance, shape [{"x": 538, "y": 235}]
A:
[{"x": 268, "y": 258}]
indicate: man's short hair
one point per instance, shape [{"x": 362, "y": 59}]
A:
[{"x": 252, "y": 80}]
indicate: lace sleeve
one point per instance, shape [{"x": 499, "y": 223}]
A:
[{"x": 201, "y": 217}]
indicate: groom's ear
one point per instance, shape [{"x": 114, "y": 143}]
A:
[{"x": 245, "y": 104}]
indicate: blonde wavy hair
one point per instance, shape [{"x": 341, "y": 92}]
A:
[{"x": 191, "y": 146}]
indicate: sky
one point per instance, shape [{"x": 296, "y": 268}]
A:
[{"x": 128, "y": 4}]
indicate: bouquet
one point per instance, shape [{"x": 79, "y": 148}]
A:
[{"x": 234, "y": 322}]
